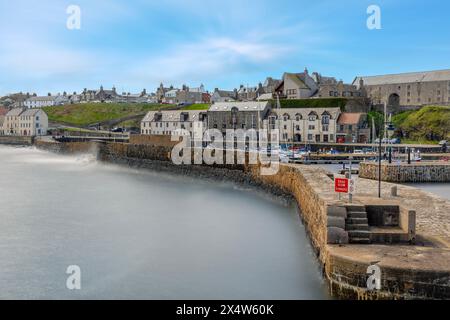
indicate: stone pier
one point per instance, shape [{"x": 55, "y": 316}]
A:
[{"x": 402, "y": 173}]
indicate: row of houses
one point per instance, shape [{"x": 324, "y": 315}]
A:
[
  {"x": 23, "y": 122},
  {"x": 406, "y": 90},
  {"x": 308, "y": 125}
]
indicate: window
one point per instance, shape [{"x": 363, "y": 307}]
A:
[
  {"x": 297, "y": 127},
  {"x": 311, "y": 127},
  {"x": 310, "y": 137},
  {"x": 317, "y": 137},
  {"x": 325, "y": 128}
]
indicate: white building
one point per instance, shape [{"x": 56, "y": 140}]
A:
[
  {"x": 40, "y": 102},
  {"x": 25, "y": 122}
]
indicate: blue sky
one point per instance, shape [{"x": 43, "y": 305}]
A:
[{"x": 136, "y": 44}]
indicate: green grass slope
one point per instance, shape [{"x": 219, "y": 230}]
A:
[
  {"x": 428, "y": 124},
  {"x": 90, "y": 113}
]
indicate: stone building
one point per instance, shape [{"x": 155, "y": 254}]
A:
[
  {"x": 33, "y": 122},
  {"x": 25, "y": 122},
  {"x": 353, "y": 128},
  {"x": 250, "y": 93},
  {"x": 304, "y": 124},
  {"x": 223, "y": 96},
  {"x": 407, "y": 90},
  {"x": 237, "y": 115},
  {"x": 171, "y": 122},
  {"x": 305, "y": 86},
  {"x": 297, "y": 86},
  {"x": 270, "y": 85}
]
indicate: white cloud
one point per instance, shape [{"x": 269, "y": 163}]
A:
[{"x": 206, "y": 59}]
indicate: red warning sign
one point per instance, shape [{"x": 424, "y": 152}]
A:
[{"x": 341, "y": 185}]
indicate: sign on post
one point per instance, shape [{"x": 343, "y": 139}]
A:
[
  {"x": 341, "y": 185},
  {"x": 352, "y": 186}
]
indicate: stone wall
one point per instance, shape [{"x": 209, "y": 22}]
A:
[
  {"x": 16, "y": 140},
  {"x": 67, "y": 147},
  {"x": 417, "y": 172},
  {"x": 157, "y": 140}
]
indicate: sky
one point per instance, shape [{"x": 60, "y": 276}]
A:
[{"x": 136, "y": 44}]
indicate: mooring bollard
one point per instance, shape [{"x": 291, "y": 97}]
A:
[{"x": 394, "y": 191}]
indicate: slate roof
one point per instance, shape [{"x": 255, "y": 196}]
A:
[
  {"x": 428, "y": 76},
  {"x": 241, "y": 106}
]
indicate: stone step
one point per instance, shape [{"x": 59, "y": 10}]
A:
[
  {"x": 356, "y": 227},
  {"x": 360, "y": 241},
  {"x": 357, "y": 214},
  {"x": 356, "y": 209},
  {"x": 363, "y": 234},
  {"x": 357, "y": 221}
]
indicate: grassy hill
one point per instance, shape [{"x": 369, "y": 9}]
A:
[
  {"x": 90, "y": 113},
  {"x": 198, "y": 106},
  {"x": 429, "y": 124}
]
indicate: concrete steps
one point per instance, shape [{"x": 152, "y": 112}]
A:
[
  {"x": 360, "y": 241},
  {"x": 357, "y": 225},
  {"x": 357, "y": 221}
]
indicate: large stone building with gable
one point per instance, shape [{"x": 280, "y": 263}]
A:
[{"x": 407, "y": 90}]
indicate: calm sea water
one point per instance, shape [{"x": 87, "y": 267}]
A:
[{"x": 144, "y": 235}]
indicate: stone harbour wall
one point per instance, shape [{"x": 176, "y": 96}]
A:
[
  {"x": 402, "y": 173},
  {"x": 16, "y": 140}
]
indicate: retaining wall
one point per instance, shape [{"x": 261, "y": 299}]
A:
[
  {"x": 402, "y": 173},
  {"x": 16, "y": 140}
]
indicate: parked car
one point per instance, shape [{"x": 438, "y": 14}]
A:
[
  {"x": 358, "y": 151},
  {"x": 117, "y": 130},
  {"x": 395, "y": 141},
  {"x": 443, "y": 142}
]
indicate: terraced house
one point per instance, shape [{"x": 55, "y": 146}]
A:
[
  {"x": 237, "y": 115},
  {"x": 304, "y": 124},
  {"x": 25, "y": 122},
  {"x": 172, "y": 122}
]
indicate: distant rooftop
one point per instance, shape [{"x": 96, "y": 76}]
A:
[{"x": 412, "y": 77}]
